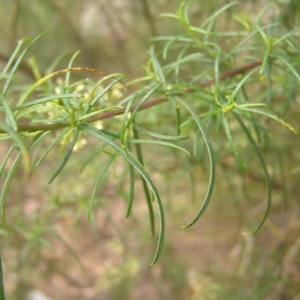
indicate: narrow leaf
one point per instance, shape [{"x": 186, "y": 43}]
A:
[
  {"x": 5, "y": 159},
  {"x": 20, "y": 143},
  {"x": 107, "y": 88},
  {"x": 218, "y": 12},
  {"x": 92, "y": 157},
  {"x": 8, "y": 181},
  {"x": 2, "y": 292},
  {"x": 145, "y": 186},
  {"x": 64, "y": 132},
  {"x": 160, "y": 136},
  {"x": 89, "y": 129},
  {"x": 66, "y": 158},
  {"x": 264, "y": 168},
  {"x": 158, "y": 71},
  {"x": 49, "y": 76},
  {"x": 12, "y": 58},
  {"x": 139, "y": 141},
  {"x": 274, "y": 117},
  {"x": 8, "y": 113},
  {"x": 47, "y": 99},
  {"x": 68, "y": 74},
  {"x": 17, "y": 63},
  {"x": 211, "y": 162},
  {"x": 91, "y": 203},
  {"x": 131, "y": 189},
  {"x": 232, "y": 144}
]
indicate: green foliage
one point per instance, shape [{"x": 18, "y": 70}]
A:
[{"x": 217, "y": 86}]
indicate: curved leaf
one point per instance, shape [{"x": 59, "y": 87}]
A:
[
  {"x": 89, "y": 129},
  {"x": 17, "y": 63},
  {"x": 211, "y": 163},
  {"x": 105, "y": 167},
  {"x": 139, "y": 141},
  {"x": 64, "y": 132},
  {"x": 274, "y": 117},
  {"x": 145, "y": 186},
  {"x": 264, "y": 168},
  {"x": 46, "y": 99},
  {"x": 8, "y": 181},
  {"x": 232, "y": 144},
  {"x": 66, "y": 158},
  {"x": 160, "y": 136}
]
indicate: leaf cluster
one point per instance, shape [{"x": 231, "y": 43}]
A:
[{"x": 214, "y": 83}]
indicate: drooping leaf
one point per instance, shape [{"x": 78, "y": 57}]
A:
[
  {"x": 144, "y": 182},
  {"x": 232, "y": 144},
  {"x": 272, "y": 116},
  {"x": 54, "y": 142},
  {"x": 211, "y": 162},
  {"x": 92, "y": 198},
  {"x": 264, "y": 168},
  {"x": 90, "y": 130},
  {"x": 14, "y": 166},
  {"x": 67, "y": 156},
  {"x": 10, "y": 118}
]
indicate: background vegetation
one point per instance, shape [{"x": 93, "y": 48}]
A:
[{"x": 50, "y": 246}]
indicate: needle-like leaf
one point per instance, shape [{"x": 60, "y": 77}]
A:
[
  {"x": 67, "y": 156},
  {"x": 264, "y": 168},
  {"x": 90, "y": 130},
  {"x": 211, "y": 162}
]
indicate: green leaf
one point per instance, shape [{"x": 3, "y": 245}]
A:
[
  {"x": 169, "y": 15},
  {"x": 232, "y": 144},
  {"x": 105, "y": 168},
  {"x": 7, "y": 183},
  {"x": 139, "y": 141},
  {"x": 12, "y": 58},
  {"x": 131, "y": 189},
  {"x": 119, "y": 78},
  {"x": 264, "y": 168},
  {"x": 145, "y": 97},
  {"x": 218, "y": 12},
  {"x": 274, "y": 117},
  {"x": 242, "y": 82},
  {"x": 89, "y": 129},
  {"x": 92, "y": 157},
  {"x": 20, "y": 144},
  {"x": 145, "y": 186},
  {"x": 211, "y": 162},
  {"x": 160, "y": 136},
  {"x": 67, "y": 156},
  {"x": 54, "y": 142},
  {"x": 2, "y": 292},
  {"x": 290, "y": 67},
  {"x": 47, "y": 99},
  {"x": 17, "y": 63},
  {"x": 5, "y": 159},
  {"x": 8, "y": 113},
  {"x": 127, "y": 121},
  {"x": 68, "y": 74},
  {"x": 97, "y": 112},
  {"x": 158, "y": 71}
]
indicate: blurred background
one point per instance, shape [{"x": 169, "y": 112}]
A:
[{"x": 55, "y": 253}]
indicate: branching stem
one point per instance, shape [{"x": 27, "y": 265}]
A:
[{"x": 151, "y": 103}]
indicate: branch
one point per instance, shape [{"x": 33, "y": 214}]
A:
[{"x": 113, "y": 113}]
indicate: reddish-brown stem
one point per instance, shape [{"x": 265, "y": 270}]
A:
[{"x": 151, "y": 103}]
